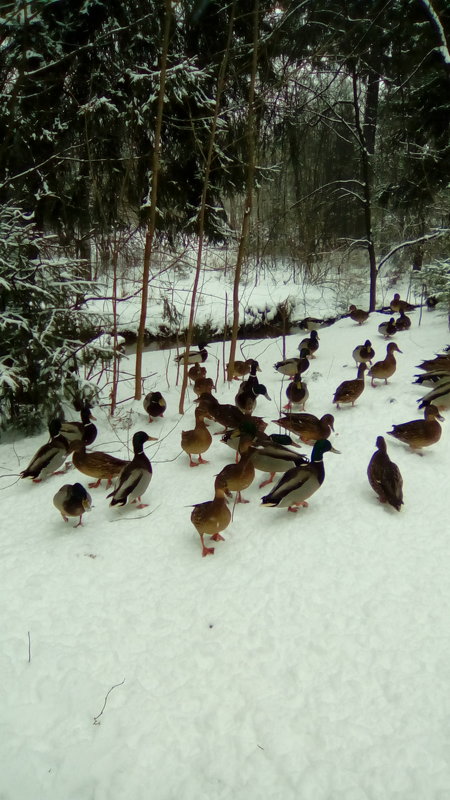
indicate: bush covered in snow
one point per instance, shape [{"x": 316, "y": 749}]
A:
[{"x": 45, "y": 329}]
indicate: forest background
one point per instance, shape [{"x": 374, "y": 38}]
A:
[{"x": 133, "y": 134}]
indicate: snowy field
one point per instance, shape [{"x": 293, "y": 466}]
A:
[{"x": 307, "y": 659}]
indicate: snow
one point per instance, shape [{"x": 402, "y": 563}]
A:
[{"x": 307, "y": 658}]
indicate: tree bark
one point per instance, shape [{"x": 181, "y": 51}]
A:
[
  {"x": 251, "y": 166},
  {"x": 153, "y": 200}
]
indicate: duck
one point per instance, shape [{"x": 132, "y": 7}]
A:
[
  {"x": 241, "y": 475},
  {"x": 439, "y": 397},
  {"x": 243, "y": 368},
  {"x": 97, "y": 464},
  {"x": 84, "y": 431},
  {"x": 387, "y": 328},
  {"x": 194, "y": 356},
  {"x": 72, "y": 500},
  {"x": 403, "y": 323},
  {"x": 225, "y": 414},
  {"x": 311, "y": 344},
  {"x": 212, "y": 517},
  {"x": 249, "y": 391},
  {"x": 441, "y": 362},
  {"x": 419, "y": 433},
  {"x": 364, "y": 353},
  {"x": 272, "y": 457},
  {"x": 248, "y": 394},
  {"x": 358, "y": 315},
  {"x": 296, "y": 392},
  {"x": 198, "y": 440},
  {"x": 203, "y": 385},
  {"x": 135, "y": 476},
  {"x": 298, "y": 484},
  {"x": 292, "y": 366},
  {"x": 349, "y": 391},
  {"x": 385, "y": 369},
  {"x": 432, "y": 379},
  {"x": 154, "y": 405},
  {"x": 307, "y": 426},
  {"x": 196, "y": 371},
  {"x": 50, "y": 457},
  {"x": 396, "y": 304},
  {"x": 385, "y": 477}
]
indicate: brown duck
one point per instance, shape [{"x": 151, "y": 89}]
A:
[
  {"x": 419, "y": 432},
  {"x": 349, "y": 391},
  {"x": 203, "y": 385},
  {"x": 385, "y": 477},
  {"x": 239, "y": 476},
  {"x": 97, "y": 464},
  {"x": 308, "y": 427},
  {"x": 212, "y": 517},
  {"x": 358, "y": 315},
  {"x": 225, "y": 414},
  {"x": 243, "y": 368},
  {"x": 387, "y": 328},
  {"x": 400, "y": 305},
  {"x": 403, "y": 323},
  {"x": 198, "y": 440},
  {"x": 385, "y": 369}
]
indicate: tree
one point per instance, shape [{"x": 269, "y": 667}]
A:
[{"x": 45, "y": 333}]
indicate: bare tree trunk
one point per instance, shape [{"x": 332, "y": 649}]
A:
[
  {"x": 366, "y": 139},
  {"x": 202, "y": 209},
  {"x": 153, "y": 199},
  {"x": 251, "y": 165}
]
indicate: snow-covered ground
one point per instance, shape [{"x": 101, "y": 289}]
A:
[{"x": 308, "y": 659}]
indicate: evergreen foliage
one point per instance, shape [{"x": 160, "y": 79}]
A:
[{"x": 44, "y": 327}]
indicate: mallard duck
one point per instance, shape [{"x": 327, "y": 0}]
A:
[
  {"x": 441, "y": 362},
  {"x": 358, "y": 315},
  {"x": 97, "y": 464},
  {"x": 198, "y": 440},
  {"x": 154, "y": 405},
  {"x": 272, "y": 458},
  {"x": 308, "y": 427},
  {"x": 50, "y": 457},
  {"x": 387, "y": 328},
  {"x": 364, "y": 353},
  {"x": 384, "y": 369},
  {"x": 203, "y": 386},
  {"x": 247, "y": 396},
  {"x": 194, "y": 356},
  {"x": 400, "y": 305},
  {"x": 84, "y": 431},
  {"x": 196, "y": 371},
  {"x": 419, "y": 432},
  {"x": 439, "y": 397},
  {"x": 72, "y": 500},
  {"x": 225, "y": 414},
  {"x": 432, "y": 379},
  {"x": 384, "y": 476},
  {"x": 403, "y": 323},
  {"x": 296, "y": 392},
  {"x": 239, "y": 476},
  {"x": 135, "y": 476},
  {"x": 349, "y": 391},
  {"x": 242, "y": 368},
  {"x": 311, "y": 344},
  {"x": 293, "y": 366},
  {"x": 298, "y": 484},
  {"x": 212, "y": 517}
]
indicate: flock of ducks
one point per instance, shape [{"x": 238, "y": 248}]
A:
[{"x": 245, "y": 433}]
